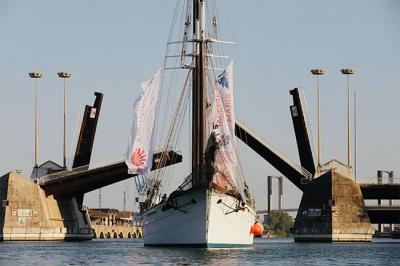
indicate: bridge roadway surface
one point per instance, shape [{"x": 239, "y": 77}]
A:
[
  {"x": 377, "y": 214},
  {"x": 380, "y": 191},
  {"x": 79, "y": 182}
]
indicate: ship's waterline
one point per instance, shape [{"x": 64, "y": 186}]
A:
[{"x": 199, "y": 218}]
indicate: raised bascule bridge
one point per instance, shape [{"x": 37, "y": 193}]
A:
[
  {"x": 50, "y": 207},
  {"x": 332, "y": 207}
]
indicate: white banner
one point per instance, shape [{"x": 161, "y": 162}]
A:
[
  {"x": 222, "y": 117},
  {"x": 225, "y": 84},
  {"x": 139, "y": 155}
]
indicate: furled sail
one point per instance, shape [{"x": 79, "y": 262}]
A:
[
  {"x": 222, "y": 129},
  {"x": 139, "y": 155}
]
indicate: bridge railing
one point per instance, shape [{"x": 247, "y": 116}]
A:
[{"x": 57, "y": 175}]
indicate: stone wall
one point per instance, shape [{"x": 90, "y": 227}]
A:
[
  {"x": 350, "y": 221},
  {"x": 104, "y": 231}
]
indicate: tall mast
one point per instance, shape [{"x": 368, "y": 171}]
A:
[{"x": 198, "y": 92}]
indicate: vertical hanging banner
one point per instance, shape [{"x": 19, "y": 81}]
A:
[
  {"x": 139, "y": 155},
  {"x": 225, "y": 86},
  {"x": 222, "y": 110},
  {"x": 222, "y": 117}
]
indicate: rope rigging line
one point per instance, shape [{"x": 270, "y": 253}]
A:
[
  {"x": 178, "y": 134},
  {"x": 178, "y": 116},
  {"x": 176, "y": 55},
  {"x": 167, "y": 105}
]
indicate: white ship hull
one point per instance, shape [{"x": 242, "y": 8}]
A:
[{"x": 202, "y": 219}]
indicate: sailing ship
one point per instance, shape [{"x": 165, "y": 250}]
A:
[{"x": 213, "y": 206}]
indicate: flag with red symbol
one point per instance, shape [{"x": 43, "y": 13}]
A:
[{"x": 139, "y": 155}]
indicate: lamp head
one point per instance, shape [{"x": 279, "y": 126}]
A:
[
  {"x": 36, "y": 75},
  {"x": 317, "y": 71},
  {"x": 64, "y": 74},
  {"x": 348, "y": 71}
]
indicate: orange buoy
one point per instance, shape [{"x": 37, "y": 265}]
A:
[{"x": 257, "y": 229}]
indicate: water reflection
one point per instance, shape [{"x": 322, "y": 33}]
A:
[{"x": 279, "y": 251}]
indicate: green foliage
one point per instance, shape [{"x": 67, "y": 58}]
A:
[{"x": 279, "y": 223}]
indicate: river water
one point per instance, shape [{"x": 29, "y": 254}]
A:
[{"x": 278, "y": 251}]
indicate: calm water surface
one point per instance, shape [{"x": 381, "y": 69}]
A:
[{"x": 281, "y": 251}]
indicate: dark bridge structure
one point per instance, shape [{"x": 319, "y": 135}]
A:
[
  {"x": 378, "y": 214},
  {"x": 80, "y": 180},
  {"x": 277, "y": 159},
  {"x": 380, "y": 191},
  {"x": 315, "y": 181},
  {"x": 299, "y": 176}
]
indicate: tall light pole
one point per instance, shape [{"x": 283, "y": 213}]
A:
[
  {"x": 36, "y": 76},
  {"x": 348, "y": 72},
  {"x": 355, "y": 135},
  {"x": 65, "y": 76},
  {"x": 318, "y": 72}
]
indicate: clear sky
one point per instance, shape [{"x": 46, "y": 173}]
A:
[{"x": 112, "y": 46}]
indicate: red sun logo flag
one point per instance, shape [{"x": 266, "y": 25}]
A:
[
  {"x": 139, "y": 157},
  {"x": 139, "y": 154}
]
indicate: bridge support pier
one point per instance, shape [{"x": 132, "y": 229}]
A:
[
  {"x": 332, "y": 209},
  {"x": 28, "y": 214},
  {"x": 380, "y": 181},
  {"x": 280, "y": 192}
]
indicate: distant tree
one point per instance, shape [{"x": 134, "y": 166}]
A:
[{"x": 280, "y": 223}]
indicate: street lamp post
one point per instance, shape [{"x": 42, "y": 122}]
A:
[
  {"x": 348, "y": 72},
  {"x": 318, "y": 72},
  {"x": 65, "y": 76},
  {"x": 355, "y": 135},
  {"x": 36, "y": 76}
]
